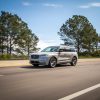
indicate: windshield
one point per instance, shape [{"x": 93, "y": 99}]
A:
[{"x": 51, "y": 49}]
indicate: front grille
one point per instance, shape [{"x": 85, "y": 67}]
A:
[
  {"x": 35, "y": 56},
  {"x": 35, "y": 62}
]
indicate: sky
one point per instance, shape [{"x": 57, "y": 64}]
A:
[{"x": 45, "y": 17}]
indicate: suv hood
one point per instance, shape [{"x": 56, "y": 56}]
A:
[{"x": 43, "y": 53}]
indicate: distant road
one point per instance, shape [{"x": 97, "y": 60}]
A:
[
  {"x": 29, "y": 83},
  {"x": 14, "y": 63}
]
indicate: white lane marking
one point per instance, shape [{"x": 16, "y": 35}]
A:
[{"x": 69, "y": 97}]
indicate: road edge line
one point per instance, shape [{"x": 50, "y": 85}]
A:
[{"x": 69, "y": 97}]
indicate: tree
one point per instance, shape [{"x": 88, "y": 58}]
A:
[
  {"x": 89, "y": 38},
  {"x": 10, "y": 26},
  {"x": 2, "y": 35},
  {"x": 99, "y": 37},
  {"x": 27, "y": 41},
  {"x": 81, "y": 31},
  {"x": 15, "y": 34}
]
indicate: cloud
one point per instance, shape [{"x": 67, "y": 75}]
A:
[
  {"x": 85, "y": 6},
  {"x": 45, "y": 43},
  {"x": 26, "y": 4},
  {"x": 52, "y": 5},
  {"x": 96, "y": 4},
  {"x": 42, "y": 44}
]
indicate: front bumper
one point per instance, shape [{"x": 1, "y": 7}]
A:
[
  {"x": 44, "y": 61},
  {"x": 38, "y": 62},
  {"x": 39, "y": 59}
]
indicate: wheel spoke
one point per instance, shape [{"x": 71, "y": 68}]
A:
[{"x": 53, "y": 62}]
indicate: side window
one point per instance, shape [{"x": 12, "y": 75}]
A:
[
  {"x": 67, "y": 50},
  {"x": 61, "y": 50},
  {"x": 72, "y": 50}
]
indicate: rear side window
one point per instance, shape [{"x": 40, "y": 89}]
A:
[
  {"x": 67, "y": 50},
  {"x": 72, "y": 50}
]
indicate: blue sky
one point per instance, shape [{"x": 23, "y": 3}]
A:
[{"x": 45, "y": 17}]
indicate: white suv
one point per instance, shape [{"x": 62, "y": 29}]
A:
[{"x": 54, "y": 55}]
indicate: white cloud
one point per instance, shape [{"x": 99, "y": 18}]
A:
[
  {"x": 26, "y": 4},
  {"x": 43, "y": 44},
  {"x": 84, "y": 6},
  {"x": 99, "y": 44},
  {"x": 53, "y": 5},
  {"x": 96, "y": 4}
]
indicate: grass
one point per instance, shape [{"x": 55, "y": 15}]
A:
[
  {"x": 86, "y": 57},
  {"x": 13, "y": 57}
]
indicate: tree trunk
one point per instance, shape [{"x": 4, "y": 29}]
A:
[
  {"x": 78, "y": 48},
  {"x": 2, "y": 51},
  {"x": 2, "y": 47},
  {"x": 28, "y": 50},
  {"x": 89, "y": 49},
  {"x": 96, "y": 46},
  {"x": 10, "y": 47},
  {"x": 7, "y": 46}
]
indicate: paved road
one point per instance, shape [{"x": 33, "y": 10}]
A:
[{"x": 28, "y": 83}]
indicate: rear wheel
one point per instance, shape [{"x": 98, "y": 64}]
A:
[
  {"x": 74, "y": 61},
  {"x": 53, "y": 62}
]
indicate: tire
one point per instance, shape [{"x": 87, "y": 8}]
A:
[
  {"x": 53, "y": 62},
  {"x": 35, "y": 65},
  {"x": 74, "y": 61}
]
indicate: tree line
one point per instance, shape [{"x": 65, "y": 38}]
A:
[
  {"x": 15, "y": 35},
  {"x": 81, "y": 32}
]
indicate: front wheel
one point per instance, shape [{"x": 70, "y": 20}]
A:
[
  {"x": 53, "y": 62},
  {"x": 74, "y": 61},
  {"x": 35, "y": 65}
]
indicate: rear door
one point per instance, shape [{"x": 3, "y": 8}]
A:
[{"x": 64, "y": 55}]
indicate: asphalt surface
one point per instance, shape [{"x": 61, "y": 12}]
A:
[{"x": 32, "y": 83}]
